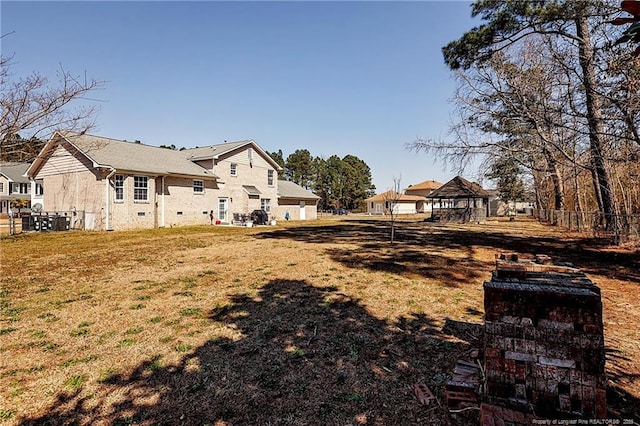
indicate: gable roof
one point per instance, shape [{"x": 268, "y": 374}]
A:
[
  {"x": 14, "y": 172},
  {"x": 392, "y": 195},
  {"x": 459, "y": 187},
  {"x": 427, "y": 184},
  {"x": 124, "y": 156},
  {"x": 288, "y": 189},
  {"x": 215, "y": 151}
]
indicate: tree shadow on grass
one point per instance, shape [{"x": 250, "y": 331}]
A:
[
  {"x": 307, "y": 355},
  {"x": 416, "y": 253},
  {"x": 422, "y": 248}
]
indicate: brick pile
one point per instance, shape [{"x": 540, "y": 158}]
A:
[{"x": 544, "y": 343}]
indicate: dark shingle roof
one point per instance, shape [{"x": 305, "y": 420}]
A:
[{"x": 459, "y": 187}]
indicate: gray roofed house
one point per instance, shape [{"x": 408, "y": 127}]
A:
[
  {"x": 17, "y": 192},
  {"x": 14, "y": 172},
  {"x": 115, "y": 184}
]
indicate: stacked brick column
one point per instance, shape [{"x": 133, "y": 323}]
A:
[{"x": 544, "y": 344}]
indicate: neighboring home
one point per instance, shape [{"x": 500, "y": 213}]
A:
[
  {"x": 15, "y": 188},
  {"x": 459, "y": 201},
  {"x": 109, "y": 184},
  {"x": 423, "y": 189},
  {"x": 297, "y": 201},
  {"x": 499, "y": 207},
  {"x": 400, "y": 203}
]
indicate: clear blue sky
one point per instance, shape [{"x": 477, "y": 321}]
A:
[{"x": 360, "y": 78}]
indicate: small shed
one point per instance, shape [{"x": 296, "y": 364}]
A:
[{"x": 459, "y": 201}]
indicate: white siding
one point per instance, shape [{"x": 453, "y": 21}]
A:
[{"x": 62, "y": 161}]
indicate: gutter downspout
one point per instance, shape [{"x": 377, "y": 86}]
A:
[
  {"x": 106, "y": 198},
  {"x": 162, "y": 198}
]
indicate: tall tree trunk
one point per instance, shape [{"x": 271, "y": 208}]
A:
[
  {"x": 594, "y": 117},
  {"x": 556, "y": 179}
]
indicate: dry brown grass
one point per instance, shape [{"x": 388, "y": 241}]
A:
[{"x": 320, "y": 322}]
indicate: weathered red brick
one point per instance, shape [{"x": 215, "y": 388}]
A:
[{"x": 601, "y": 403}]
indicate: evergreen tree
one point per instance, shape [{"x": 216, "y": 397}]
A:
[
  {"x": 14, "y": 148},
  {"x": 507, "y": 174},
  {"x": 299, "y": 168},
  {"x": 277, "y": 157}
]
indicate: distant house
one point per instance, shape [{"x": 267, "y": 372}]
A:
[
  {"x": 297, "y": 201},
  {"x": 400, "y": 203},
  {"x": 16, "y": 188},
  {"x": 459, "y": 201},
  {"x": 499, "y": 207},
  {"x": 110, "y": 184},
  {"x": 423, "y": 189}
]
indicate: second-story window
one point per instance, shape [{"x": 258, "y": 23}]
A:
[
  {"x": 270, "y": 177},
  {"x": 19, "y": 188},
  {"x": 39, "y": 190},
  {"x": 234, "y": 169}
]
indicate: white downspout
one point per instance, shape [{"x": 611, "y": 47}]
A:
[
  {"x": 106, "y": 198},
  {"x": 162, "y": 198}
]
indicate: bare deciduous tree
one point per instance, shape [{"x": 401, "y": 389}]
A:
[
  {"x": 32, "y": 107},
  {"x": 391, "y": 198}
]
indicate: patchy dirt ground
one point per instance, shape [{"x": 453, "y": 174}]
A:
[{"x": 309, "y": 323}]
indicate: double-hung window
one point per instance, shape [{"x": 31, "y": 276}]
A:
[
  {"x": 19, "y": 188},
  {"x": 39, "y": 190},
  {"x": 118, "y": 186},
  {"x": 198, "y": 187},
  {"x": 234, "y": 169},
  {"x": 140, "y": 188},
  {"x": 270, "y": 177}
]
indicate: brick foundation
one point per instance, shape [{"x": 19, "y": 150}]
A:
[{"x": 544, "y": 343}]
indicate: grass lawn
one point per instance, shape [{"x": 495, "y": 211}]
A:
[{"x": 306, "y": 323}]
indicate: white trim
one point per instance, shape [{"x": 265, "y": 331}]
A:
[
  {"x": 106, "y": 198},
  {"x": 162, "y": 209},
  {"x": 146, "y": 188}
]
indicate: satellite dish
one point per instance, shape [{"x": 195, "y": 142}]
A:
[{"x": 37, "y": 207}]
